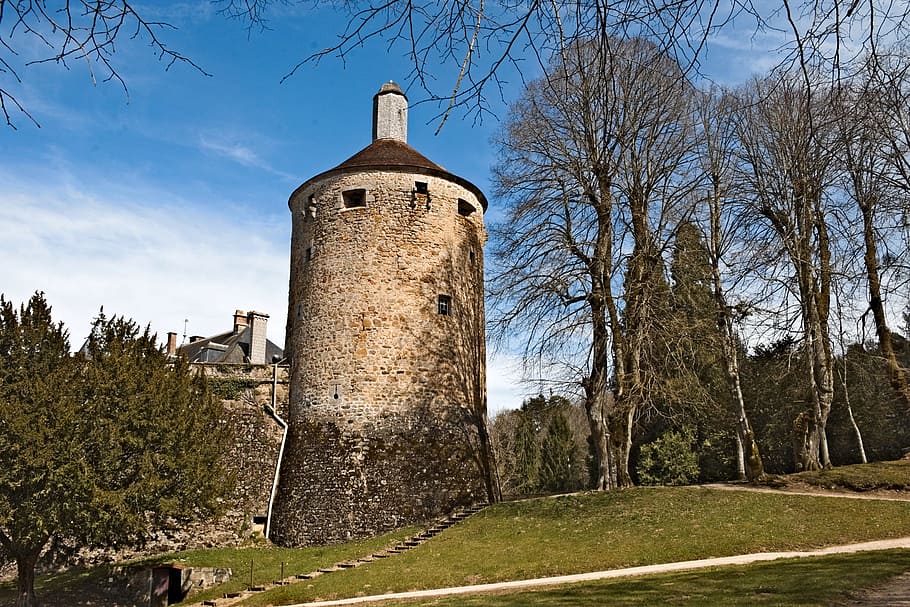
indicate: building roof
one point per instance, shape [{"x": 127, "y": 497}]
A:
[
  {"x": 226, "y": 347},
  {"x": 393, "y": 155}
]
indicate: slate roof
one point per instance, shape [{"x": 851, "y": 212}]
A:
[
  {"x": 395, "y": 155},
  {"x": 227, "y": 347}
]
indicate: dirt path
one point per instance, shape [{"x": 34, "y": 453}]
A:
[
  {"x": 888, "y": 496},
  {"x": 743, "y": 559}
]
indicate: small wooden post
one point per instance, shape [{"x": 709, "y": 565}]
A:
[{"x": 251, "y": 573}]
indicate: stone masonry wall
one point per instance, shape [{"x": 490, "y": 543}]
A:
[{"x": 385, "y": 391}]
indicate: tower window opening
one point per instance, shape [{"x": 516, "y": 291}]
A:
[
  {"x": 309, "y": 254},
  {"x": 472, "y": 256},
  {"x": 465, "y": 208},
  {"x": 354, "y": 199},
  {"x": 421, "y": 187},
  {"x": 444, "y": 305}
]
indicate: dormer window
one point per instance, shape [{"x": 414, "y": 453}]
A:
[{"x": 354, "y": 199}]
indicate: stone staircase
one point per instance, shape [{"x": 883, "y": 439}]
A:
[{"x": 412, "y": 542}]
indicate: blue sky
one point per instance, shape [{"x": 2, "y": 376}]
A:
[{"x": 170, "y": 203}]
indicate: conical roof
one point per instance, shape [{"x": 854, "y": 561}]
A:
[{"x": 393, "y": 155}]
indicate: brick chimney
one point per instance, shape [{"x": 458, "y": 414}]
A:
[
  {"x": 390, "y": 113},
  {"x": 257, "y": 323},
  {"x": 239, "y": 321},
  {"x": 171, "y": 343}
]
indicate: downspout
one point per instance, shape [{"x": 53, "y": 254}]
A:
[{"x": 284, "y": 435}]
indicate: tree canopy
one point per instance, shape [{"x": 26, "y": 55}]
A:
[{"x": 101, "y": 446}]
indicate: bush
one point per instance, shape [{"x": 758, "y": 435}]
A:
[{"x": 669, "y": 460}]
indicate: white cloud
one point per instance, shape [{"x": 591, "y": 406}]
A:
[
  {"x": 145, "y": 254},
  {"x": 237, "y": 153},
  {"x": 504, "y": 385},
  {"x": 240, "y": 154}
]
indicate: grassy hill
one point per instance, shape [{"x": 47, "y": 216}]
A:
[{"x": 590, "y": 532}]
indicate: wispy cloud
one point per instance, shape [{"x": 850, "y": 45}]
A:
[
  {"x": 235, "y": 152},
  {"x": 240, "y": 154},
  {"x": 150, "y": 256}
]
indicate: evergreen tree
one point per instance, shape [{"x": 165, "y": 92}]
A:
[
  {"x": 527, "y": 454},
  {"x": 560, "y": 466},
  {"x": 98, "y": 447}
]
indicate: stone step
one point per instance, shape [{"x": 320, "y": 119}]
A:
[
  {"x": 304, "y": 576},
  {"x": 346, "y": 565}
]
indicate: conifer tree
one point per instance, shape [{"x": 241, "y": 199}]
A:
[
  {"x": 559, "y": 462},
  {"x": 98, "y": 447}
]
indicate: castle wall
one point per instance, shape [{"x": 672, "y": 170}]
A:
[{"x": 386, "y": 392}]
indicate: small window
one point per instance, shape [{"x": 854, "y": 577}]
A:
[
  {"x": 309, "y": 254},
  {"x": 354, "y": 198},
  {"x": 465, "y": 208},
  {"x": 444, "y": 305},
  {"x": 472, "y": 256},
  {"x": 421, "y": 187}
]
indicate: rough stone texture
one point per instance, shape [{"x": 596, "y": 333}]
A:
[
  {"x": 252, "y": 455},
  {"x": 258, "y": 322},
  {"x": 386, "y": 393}
]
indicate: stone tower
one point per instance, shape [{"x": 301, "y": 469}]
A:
[{"x": 386, "y": 340}]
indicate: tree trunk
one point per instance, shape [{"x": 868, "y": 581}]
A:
[
  {"x": 740, "y": 458},
  {"x": 857, "y": 433},
  {"x": 596, "y": 399},
  {"x": 750, "y": 463},
  {"x": 896, "y": 374},
  {"x": 25, "y": 565}
]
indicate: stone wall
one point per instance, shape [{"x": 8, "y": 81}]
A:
[
  {"x": 386, "y": 392},
  {"x": 246, "y": 391}
]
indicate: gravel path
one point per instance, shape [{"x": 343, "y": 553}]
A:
[{"x": 742, "y": 559}]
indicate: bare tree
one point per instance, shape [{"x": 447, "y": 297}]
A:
[
  {"x": 786, "y": 154},
  {"x": 593, "y": 168},
  {"x": 874, "y": 173},
  {"x": 717, "y": 151},
  {"x": 65, "y": 32}
]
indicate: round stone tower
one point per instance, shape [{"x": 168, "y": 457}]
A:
[{"x": 387, "y": 421}]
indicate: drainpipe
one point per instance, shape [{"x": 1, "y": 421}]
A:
[{"x": 284, "y": 427}]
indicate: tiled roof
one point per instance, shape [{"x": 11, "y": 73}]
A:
[
  {"x": 388, "y": 152},
  {"x": 227, "y": 347}
]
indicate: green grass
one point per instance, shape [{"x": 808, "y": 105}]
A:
[
  {"x": 591, "y": 532},
  {"x": 266, "y": 561},
  {"x": 860, "y": 477},
  {"x": 786, "y": 583},
  {"x": 574, "y": 534}
]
